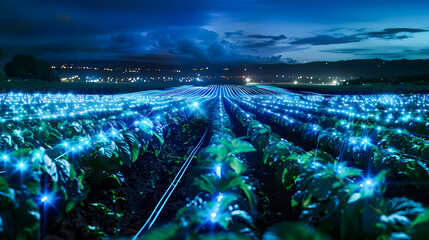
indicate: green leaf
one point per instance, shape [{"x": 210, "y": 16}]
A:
[
  {"x": 134, "y": 145},
  {"x": 420, "y": 227},
  {"x": 236, "y": 165},
  {"x": 33, "y": 187},
  {"x": 4, "y": 186},
  {"x": 217, "y": 152},
  {"x": 50, "y": 167},
  {"x": 292, "y": 231},
  {"x": 64, "y": 170},
  {"x": 157, "y": 141},
  {"x": 166, "y": 232},
  {"x": 240, "y": 146},
  {"x": 321, "y": 188},
  {"x": 290, "y": 175},
  {"x": 124, "y": 152},
  {"x": 316, "y": 156},
  {"x": 70, "y": 205}
]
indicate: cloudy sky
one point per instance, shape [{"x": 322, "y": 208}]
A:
[{"x": 215, "y": 31}]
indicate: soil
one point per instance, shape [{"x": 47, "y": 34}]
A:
[{"x": 144, "y": 184}]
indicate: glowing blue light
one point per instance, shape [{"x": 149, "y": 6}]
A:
[
  {"x": 21, "y": 165},
  {"x": 44, "y": 198},
  {"x": 218, "y": 171},
  {"x": 368, "y": 182}
]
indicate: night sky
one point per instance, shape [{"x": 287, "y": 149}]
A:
[{"x": 232, "y": 31}]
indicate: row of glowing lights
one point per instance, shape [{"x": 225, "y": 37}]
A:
[
  {"x": 343, "y": 122},
  {"x": 218, "y": 168},
  {"x": 367, "y": 183},
  {"x": 404, "y": 119},
  {"x": 297, "y": 102},
  {"x": 70, "y": 147},
  {"x": 345, "y": 101},
  {"x": 363, "y": 140},
  {"x": 388, "y": 119},
  {"x": 79, "y": 110}
]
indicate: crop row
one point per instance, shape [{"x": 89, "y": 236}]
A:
[
  {"x": 224, "y": 196},
  {"x": 341, "y": 200},
  {"x": 383, "y": 149},
  {"x": 47, "y": 160}
]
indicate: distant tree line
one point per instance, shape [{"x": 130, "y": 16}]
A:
[
  {"x": 414, "y": 79},
  {"x": 29, "y": 67}
]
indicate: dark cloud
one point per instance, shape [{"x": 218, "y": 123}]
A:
[
  {"x": 274, "y": 38},
  {"x": 384, "y": 55},
  {"x": 325, "y": 40},
  {"x": 388, "y": 33},
  {"x": 26, "y": 18},
  {"x": 220, "y": 49},
  {"x": 275, "y": 59},
  {"x": 127, "y": 40},
  {"x": 152, "y": 58},
  {"x": 290, "y": 61},
  {"x": 391, "y": 33},
  {"x": 170, "y": 30},
  {"x": 346, "y": 50},
  {"x": 234, "y": 34},
  {"x": 190, "y": 47},
  {"x": 280, "y": 59},
  {"x": 257, "y": 44},
  {"x": 424, "y": 51},
  {"x": 179, "y": 45}
]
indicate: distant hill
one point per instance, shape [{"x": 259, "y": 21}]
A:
[{"x": 366, "y": 68}]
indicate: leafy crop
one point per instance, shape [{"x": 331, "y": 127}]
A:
[{"x": 352, "y": 167}]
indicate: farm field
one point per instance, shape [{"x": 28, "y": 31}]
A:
[{"x": 215, "y": 162}]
